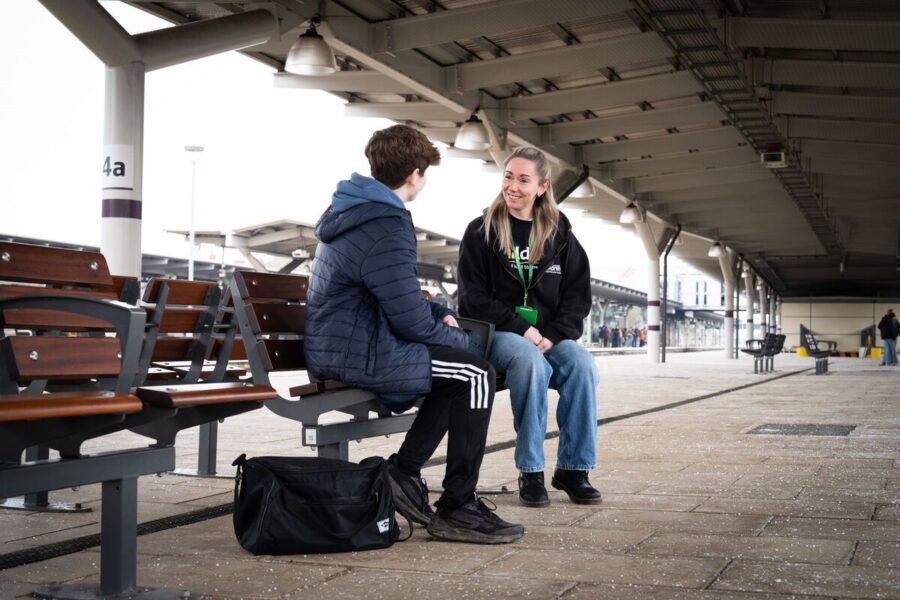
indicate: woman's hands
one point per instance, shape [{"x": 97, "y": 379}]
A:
[
  {"x": 449, "y": 320},
  {"x": 534, "y": 336}
]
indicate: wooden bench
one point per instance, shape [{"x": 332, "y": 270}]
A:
[
  {"x": 62, "y": 350},
  {"x": 814, "y": 349},
  {"x": 70, "y": 356},
  {"x": 270, "y": 309},
  {"x": 763, "y": 352}
]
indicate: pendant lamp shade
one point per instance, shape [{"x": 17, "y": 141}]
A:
[
  {"x": 310, "y": 55},
  {"x": 716, "y": 250},
  {"x": 631, "y": 214},
  {"x": 472, "y": 135},
  {"x": 584, "y": 190}
]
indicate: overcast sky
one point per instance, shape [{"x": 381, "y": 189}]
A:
[{"x": 270, "y": 153}]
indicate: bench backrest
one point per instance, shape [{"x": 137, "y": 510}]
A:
[
  {"x": 58, "y": 325},
  {"x": 180, "y": 319},
  {"x": 270, "y": 309}
]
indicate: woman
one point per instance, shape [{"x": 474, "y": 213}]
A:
[{"x": 521, "y": 268}]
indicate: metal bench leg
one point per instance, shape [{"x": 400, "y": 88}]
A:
[
  {"x": 341, "y": 451},
  {"x": 118, "y": 534},
  {"x": 206, "y": 457}
]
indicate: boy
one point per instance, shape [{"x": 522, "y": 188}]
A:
[{"x": 368, "y": 325}]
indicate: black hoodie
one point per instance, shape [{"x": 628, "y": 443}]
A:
[{"x": 489, "y": 289}]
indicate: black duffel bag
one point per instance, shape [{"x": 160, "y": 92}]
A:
[{"x": 293, "y": 505}]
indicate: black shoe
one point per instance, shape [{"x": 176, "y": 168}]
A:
[
  {"x": 473, "y": 522},
  {"x": 576, "y": 485},
  {"x": 532, "y": 491},
  {"x": 410, "y": 495}
]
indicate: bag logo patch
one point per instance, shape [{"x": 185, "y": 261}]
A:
[{"x": 384, "y": 526}]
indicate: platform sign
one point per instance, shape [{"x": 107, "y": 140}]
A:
[{"x": 118, "y": 167}]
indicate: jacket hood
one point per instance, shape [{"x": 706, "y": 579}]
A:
[{"x": 356, "y": 201}]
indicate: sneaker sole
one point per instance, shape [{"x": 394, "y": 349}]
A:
[
  {"x": 403, "y": 506},
  {"x": 459, "y": 534},
  {"x": 573, "y": 498}
]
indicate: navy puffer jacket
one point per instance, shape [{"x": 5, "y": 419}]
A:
[{"x": 366, "y": 321}]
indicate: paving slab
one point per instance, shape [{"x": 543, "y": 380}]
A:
[
  {"x": 748, "y": 547},
  {"x": 877, "y": 554},
  {"x": 834, "y": 529},
  {"x": 829, "y": 580},
  {"x": 587, "y": 591}
]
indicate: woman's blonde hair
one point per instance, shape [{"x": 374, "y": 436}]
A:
[{"x": 545, "y": 213}]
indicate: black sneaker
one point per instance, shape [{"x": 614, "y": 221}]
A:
[
  {"x": 473, "y": 522},
  {"x": 532, "y": 491},
  {"x": 410, "y": 495},
  {"x": 576, "y": 485}
]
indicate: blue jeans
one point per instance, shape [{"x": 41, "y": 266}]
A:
[
  {"x": 568, "y": 368},
  {"x": 890, "y": 352}
]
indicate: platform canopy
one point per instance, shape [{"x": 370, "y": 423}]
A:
[{"x": 667, "y": 102}]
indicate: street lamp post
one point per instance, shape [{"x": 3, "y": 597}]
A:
[{"x": 193, "y": 153}]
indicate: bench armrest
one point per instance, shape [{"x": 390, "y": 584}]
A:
[{"x": 127, "y": 320}]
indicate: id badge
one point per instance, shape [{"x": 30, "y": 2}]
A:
[{"x": 528, "y": 313}]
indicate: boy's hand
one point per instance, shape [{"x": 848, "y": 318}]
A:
[
  {"x": 449, "y": 320},
  {"x": 545, "y": 345}
]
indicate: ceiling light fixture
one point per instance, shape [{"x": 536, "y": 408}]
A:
[
  {"x": 631, "y": 214},
  {"x": 310, "y": 54},
  {"x": 584, "y": 190},
  {"x": 716, "y": 250},
  {"x": 472, "y": 135}
]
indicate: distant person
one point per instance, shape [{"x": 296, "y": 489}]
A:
[
  {"x": 889, "y": 328},
  {"x": 368, "y": 325},
  {"x": 616, "y": 335},
  {"x": 629, "y": 338},
  {"x": 521, "y": 268}
]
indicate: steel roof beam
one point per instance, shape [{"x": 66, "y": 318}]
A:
[
  {"x": 359, "y": 82},
  {"x": 606, "y": 95},
  {"x": 682, "y": 181},
  {"x": 827, "y": 73},
  {"x": 404, "y": 111},
  {"x": 646, "y": 120},
  {"x": 851, "y": 150},
  {"x": 694, "y": 161},
  {"x": 491, "y": 18},
  {"x": 560, "y": 62},
  {"x": 770, "y": 188},
  {"x": 843, "y": 130},
  {"x": 813, "y": 34},
  {"x": 663, "y": 144},
  {"x": 834, "y": 105}
]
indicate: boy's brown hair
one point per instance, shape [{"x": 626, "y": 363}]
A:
[{"x": 397, "y": 151}]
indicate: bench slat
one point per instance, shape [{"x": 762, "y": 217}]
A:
[
  {"x": 18, "y": 291},
  {"x": 181, "y": 292},
  {"x": 40, "y": 319},
  {"x": 282, "y": 355},
  {"x": 57, "y": 357},
  {"x": 40, "y": 264},
  {"x": 268, "y": 318},
  {"x": 198, "y": 394},
  {"x": 271, "y": 285},
  {"x": 182, "y": 320},
  {"x": 65, "y": 405}
]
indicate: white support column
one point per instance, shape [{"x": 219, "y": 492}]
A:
[
  {"x": 653, "y": 320},
  {"x": 772, "y": 319},
  {"x": 750, "y": 287},
  {"x": 123, "y": 148},
  {"x": 127, "y": 58},
  {"x": 728, "y": 278},
  {"x": 763, "y": 309}
]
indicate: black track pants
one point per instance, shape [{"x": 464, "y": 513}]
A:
[{"x": 460, "y": 402}]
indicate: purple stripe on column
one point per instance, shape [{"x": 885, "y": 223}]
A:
[
  {"x": 729, "y": 314},
  {"x": 652, "y": 302},
  {"x": 652, "y": 327},
  {"x": 121, "y": 208}
]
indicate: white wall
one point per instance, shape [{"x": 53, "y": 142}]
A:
[{"x": 837, "y": 321}]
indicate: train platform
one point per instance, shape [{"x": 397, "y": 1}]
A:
[{"x": 717, "y": 484}]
